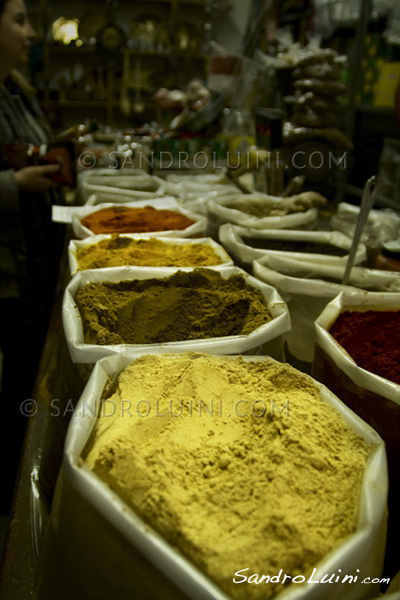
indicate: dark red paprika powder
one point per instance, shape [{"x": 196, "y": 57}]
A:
[{"x": 372, "y": 338}]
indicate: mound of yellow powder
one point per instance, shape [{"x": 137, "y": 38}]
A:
[
  {"x": 237, "y": 464},
  {"x": 120, "y": 251}
]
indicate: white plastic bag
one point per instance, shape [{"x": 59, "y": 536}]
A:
[
  {"x": 189, "y": 186},
  {"x": 97, "y": 547},
  {"x": 166, "y": 203},
  {"x": 194, "y": 191},
  {"x": 360, "y": 277},
  {"x": 382, "y": 225},
  {"x": 356, "y": 300},
  {"x": 231, "y": 237},
  {"x": 306, "y": 290},
  {"x": 219, "y": 213},
  {"x": 266, "y": 339},
  {"x": 374, "y": 398},
  {"x": 125, "y": 185},
  {"x": 74, "y": 245}
]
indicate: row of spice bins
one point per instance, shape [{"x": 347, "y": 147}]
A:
[
  {"x": 307, "y": 269},
  {"x": 173, "y": 333},
  {"x": 311, "y": 286}
]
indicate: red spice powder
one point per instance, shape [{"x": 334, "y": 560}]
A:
[
  {"x": 372, "y": 338},
  {"x": 125, "y": 219}
]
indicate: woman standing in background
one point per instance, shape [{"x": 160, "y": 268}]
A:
[{"x": 29, "y": 242}]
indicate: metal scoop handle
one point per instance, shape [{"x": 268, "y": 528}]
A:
[{"x": 367, "y": 202}]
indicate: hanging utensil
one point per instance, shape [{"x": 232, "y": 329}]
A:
[
  {"x": 367, "y": 202},
  {"x": 124, "y": 100},
  {"x": 138, "y": 105}
]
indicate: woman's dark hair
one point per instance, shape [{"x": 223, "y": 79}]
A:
[{"x": 2, "y": 5}]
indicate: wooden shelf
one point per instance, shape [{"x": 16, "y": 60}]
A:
[
  {"x": 172, "y": 66},
  {"x": 381, "y": 110},
  {"x": 96, "y": 103},
  {"x": 72, "y": 49},
  {"x": 200, "y": 3},
  {"x": 367, "y": 108},
  {"x": 85, "y": 103}
]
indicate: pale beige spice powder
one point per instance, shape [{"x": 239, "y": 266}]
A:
[{"x": 237, "y": 464}]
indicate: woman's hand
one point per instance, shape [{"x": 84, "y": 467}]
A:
[{"x": 34, "y": 179}]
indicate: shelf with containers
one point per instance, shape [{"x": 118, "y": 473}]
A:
[
  {"x": 113, "y": 58},
  {"x": 371, "y": 113}
]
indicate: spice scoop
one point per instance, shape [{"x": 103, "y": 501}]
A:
[{"x": 367, "y": 203}]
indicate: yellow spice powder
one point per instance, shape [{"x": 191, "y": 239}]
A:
[
  {"x": 122, "y": 251},
  {"x": 237, "y": 464}
]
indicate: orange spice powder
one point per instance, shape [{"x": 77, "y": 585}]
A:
[{"x": 124, "y": 219}]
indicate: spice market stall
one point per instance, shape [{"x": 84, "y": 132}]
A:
[{"x": 199, "y": 428}]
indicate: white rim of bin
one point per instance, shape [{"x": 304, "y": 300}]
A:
[
  {"x": 356, "y": 301},
  {"x": 191, "y": 187},
  {"x": 203, "y": 179},
  {"x": 74, "y": 245},
  {"x": 233, "y": 215},
  {"x": 174, "y": 565},
  {"x": 289, "y": 284},
  {"x": 359, "y": 275},
  {"x": 232, "y": 235},
  {"x": 122, "y": 195},
  {"x": 87, "y": 189},
  {"x": 165, "y": 203},
  {"x": 109, "y": 172},
  {"x": 80, "y": 351},
  {"x": 344, "y": 207}
]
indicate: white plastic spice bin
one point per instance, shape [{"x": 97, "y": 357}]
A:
[
  {"x": 74, "y": 245},
  {"x": 197, "y": 229},
  {"x": 308, "y": 287},
  {"x": 122, "y": 185},
  {"x": 233, "y": 237},
  {"x": 219, "y": 213},
  {"x": 98, "y": 547},
  {"x": 266, "y": 339},
  {"x": 374, "y": 398}
]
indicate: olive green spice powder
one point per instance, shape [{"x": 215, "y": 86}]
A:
[{"x": 200, "y": 304}]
